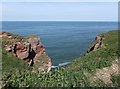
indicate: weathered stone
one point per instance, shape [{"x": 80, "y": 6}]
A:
[
  {"x": 98, "y": 45},
  {"x": 34, "y": 41},
  {"x": 21, "y": 51},
  {"x": 99, "y": 38},
  {"x": 29, "y": 50}
]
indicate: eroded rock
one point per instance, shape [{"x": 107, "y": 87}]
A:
[
  {"x": 100, "y": 37},
  {"x": 29, "y": 49},
  {"x": 98, "y": 43}
]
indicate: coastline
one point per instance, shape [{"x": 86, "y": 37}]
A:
[
  {"x": 100, "y": 60},
  {"x": 63, "y": 39}
]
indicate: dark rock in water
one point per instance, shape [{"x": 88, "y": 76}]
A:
[{"x": 29, "y": 49}]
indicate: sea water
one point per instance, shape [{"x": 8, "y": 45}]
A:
[{"x": 64, "y": 41}]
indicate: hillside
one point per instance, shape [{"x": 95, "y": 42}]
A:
[{"x": 98, "y": 67}]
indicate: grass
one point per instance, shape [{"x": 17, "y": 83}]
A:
[
  {"x": 18, "y": 74},
  {"x": 99, "y": 58}
]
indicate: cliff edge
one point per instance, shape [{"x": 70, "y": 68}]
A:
[{"x": 29, "y": 49}]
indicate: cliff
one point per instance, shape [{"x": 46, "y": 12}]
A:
[
  {"x": 97, "y": 68},
  {"x": 28, "y": 49},
  {"x": 100, "y": 63}
]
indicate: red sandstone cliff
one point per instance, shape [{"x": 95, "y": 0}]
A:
[{"x": 29, "y": 49}]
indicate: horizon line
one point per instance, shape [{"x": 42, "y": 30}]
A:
[{"x": 54, "y": 21}]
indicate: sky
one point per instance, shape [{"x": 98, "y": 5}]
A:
[
  {"x": 89, "y": 10},
  {"x": 60, "y": 0}
]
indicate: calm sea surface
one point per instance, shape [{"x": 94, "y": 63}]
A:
[{"x": 63, "y": 41}]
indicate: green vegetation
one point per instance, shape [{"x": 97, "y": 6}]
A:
[
  {"x": 14, "y": 38},
  {"x": 17, "y": 74},
  {"x": 116, "y": 80}
]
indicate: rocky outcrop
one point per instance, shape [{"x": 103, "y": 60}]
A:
[
  {"x": 100, "y": 37},
  {"x": 29, "y": 49},
  {"x": 98, "y": 43}
]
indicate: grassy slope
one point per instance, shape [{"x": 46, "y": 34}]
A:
[
  {"x": 71, "y": 76},
  {"x": 99, "y": 58}
]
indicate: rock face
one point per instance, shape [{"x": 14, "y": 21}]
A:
[
  {"x": 98, "y": 43},
  {"x": 29, "y": 49}
]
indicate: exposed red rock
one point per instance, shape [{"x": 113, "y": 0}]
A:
[{"x": 29, "y": 49}]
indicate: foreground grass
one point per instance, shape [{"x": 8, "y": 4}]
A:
[{"x": 17, "y": 74}]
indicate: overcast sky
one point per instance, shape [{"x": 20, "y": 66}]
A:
[{"x": 59, "y": 11}]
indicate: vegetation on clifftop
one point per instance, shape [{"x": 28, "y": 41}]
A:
[{"x": 77, "y": 74}]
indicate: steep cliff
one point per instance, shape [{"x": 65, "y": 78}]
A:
[{"x": 29, "y": 49}]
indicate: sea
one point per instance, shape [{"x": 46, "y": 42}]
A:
[{"x": 64, "y": 41}]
